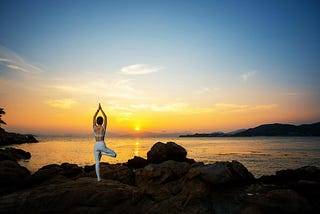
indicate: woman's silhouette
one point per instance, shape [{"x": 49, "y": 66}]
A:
[{"x": 99, "y": 131}]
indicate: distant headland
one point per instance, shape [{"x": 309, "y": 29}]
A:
[
  {"x": 275, "y": 129},
  {"x": 8, "y": 138}
]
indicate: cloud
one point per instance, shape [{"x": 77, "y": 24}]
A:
[
  {"x": 112, "y": 88},
  {"x": 247, "y": 75},
  {"x": 206, "y": 90},
  {"x": 62, "y": 103},
  {"x": 10, "y": 61},
  {"x": 160, "y": 108},
  {"x": 230, "y": 107},
  {"x": 138, "y": 69}
]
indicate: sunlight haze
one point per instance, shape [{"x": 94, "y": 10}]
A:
[{"x": 158, "y": 66}]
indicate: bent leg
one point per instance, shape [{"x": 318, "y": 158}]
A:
[{"x": 109, "y": 152}]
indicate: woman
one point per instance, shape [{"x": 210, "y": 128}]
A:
[{"x": 99, "y": 131}]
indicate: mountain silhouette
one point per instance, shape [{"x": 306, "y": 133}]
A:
[{"x": 275, "y": 129}]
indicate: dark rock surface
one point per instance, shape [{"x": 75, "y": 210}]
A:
[
  {"x": 137, "y": 162},
  {"x": 161, "y": 152},
  {"x": 14, "y": 154},
  {"x": 12, "y": 176},
  {"x": 225, "y": 173},
  {"x": 167, "y": 186}
]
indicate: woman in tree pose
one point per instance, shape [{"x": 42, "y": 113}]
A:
[{"x": 99, "y": 131}]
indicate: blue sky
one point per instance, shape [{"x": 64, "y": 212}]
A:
[{"x": 189, "y": 54}]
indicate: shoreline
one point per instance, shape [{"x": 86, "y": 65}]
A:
[
  {"x": 257, "y": 154},
  {"x": 165, "y": 182}
]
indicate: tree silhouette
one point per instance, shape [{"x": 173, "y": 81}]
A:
[{"x": 1, "y": 113}]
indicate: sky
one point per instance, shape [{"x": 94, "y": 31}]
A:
[{"x": 160, "y": 66}]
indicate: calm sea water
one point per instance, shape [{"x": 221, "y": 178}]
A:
[{"x": 261, "y": 155}]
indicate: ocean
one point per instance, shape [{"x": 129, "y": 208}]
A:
[{"x": 261, "y": 155}]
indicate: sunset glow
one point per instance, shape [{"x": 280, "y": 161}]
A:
[{"x": 158, "y": 66}]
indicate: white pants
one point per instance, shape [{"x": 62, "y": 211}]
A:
[{"x": 99, "y": 150}]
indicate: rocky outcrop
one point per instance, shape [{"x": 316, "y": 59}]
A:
[
  {"x": 161, "y": 152},
  {"x": 83, "y": 195},
  {"x": 12, "y": 176},
  {"x": 14, "y": 154},
  {"x": 162, "y": 185},
  {"x": 8, "y": 138}
]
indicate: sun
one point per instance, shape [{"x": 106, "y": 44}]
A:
[{"x": 137, "y": 129}]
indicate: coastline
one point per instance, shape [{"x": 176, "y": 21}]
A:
[
  {"x": 261, "y": 155},
  {"x": 166, "y": 181},
  {"x": 10, "y": 138}
]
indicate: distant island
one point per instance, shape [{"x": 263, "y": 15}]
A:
[{"x": 275, "y": 129}]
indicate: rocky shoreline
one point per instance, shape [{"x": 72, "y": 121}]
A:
[
  {"x": 166, "y": 182},
  {"x": 9, "y": 138}
]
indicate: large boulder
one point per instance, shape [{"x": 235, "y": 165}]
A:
[
  {"x": 226, "y": 173},
  {"x": 14, "y": 154},
  {"x": 161, "y": 152}
]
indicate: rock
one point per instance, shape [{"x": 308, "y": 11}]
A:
[
  {"x": 14, "y": 154},
  {"x": 117, "y": 172},
  {"x": 277, "y": 201},
  {"x": 89, "y": 168},
  {"x": 83, "y": 195},
  {"x": 226, "y": 173},
  {"x": 7, "y": 138},
  {"x": 291, "y": 176},
  {"x": 45, "y": 173},
  {"x": 12, "y": 175},
  {"x": 53, "y": 171},
  {"x": 137, "y": 162},
  {"x": 161, "y": 173},
  {"x": 161, "y": 152},
  {"x": 70, "y": 170},
  {"x": 311, "y": 191}
]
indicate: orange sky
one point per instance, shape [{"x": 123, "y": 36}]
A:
[{"x": 165, "y": 67}]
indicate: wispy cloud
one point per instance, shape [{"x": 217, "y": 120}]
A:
[
  {"x": 11, "y": 61},
  {"x": 230, "y": 107},
  {"x": 138, "y": 69},
  {"x": 112, "y": 88},
  {"x": 62, "y": 103},
  {"x": 160, "y": 108},
  {"x": 206, "y": 90},
  {"x": 245, "y": 77}
]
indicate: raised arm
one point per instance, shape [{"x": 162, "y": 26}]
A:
[
  {"x": 95, "y": 117},
  {"x": 105, "y": 122}
]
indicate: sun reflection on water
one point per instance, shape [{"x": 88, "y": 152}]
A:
[{"x": 136, "y": 148}]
